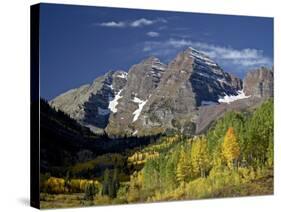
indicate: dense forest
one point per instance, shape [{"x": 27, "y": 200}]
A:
[{"x": 233, "y": 158}]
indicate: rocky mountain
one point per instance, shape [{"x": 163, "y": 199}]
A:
[
  {"x": 92, "y": 104},
  {"x": 143, "y": 79},
  {"x": 192, "y": 79},
  {"x": 154, "y": 97}
]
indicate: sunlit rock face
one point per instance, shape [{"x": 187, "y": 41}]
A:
[{"x": 259, "y": 83}]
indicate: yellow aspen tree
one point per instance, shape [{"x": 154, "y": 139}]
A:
[
  {"x": 230, "y": 147},
  {"x": 200, "y": 156},
  {"x": 183, "y": 167}
]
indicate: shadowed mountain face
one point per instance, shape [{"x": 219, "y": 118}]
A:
[
  {"x": 89, "y": 104},
  {"x": 154, "y": 97}
]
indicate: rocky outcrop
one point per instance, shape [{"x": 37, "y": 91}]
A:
[{"x": 259, "y": 83}]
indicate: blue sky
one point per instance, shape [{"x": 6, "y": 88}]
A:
[{"x": 79, "y": 43}]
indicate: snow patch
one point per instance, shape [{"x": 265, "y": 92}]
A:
[
  {"x": 103, "y": 112},
  {"x": 123, "y": 75},
  {"x": 137, "y": 112},
  {"x": 111, "y": 87},
  {"x": 137, "y": 100},
  {"x": 228, "y": 99},
  {"x": 114, "y": 102},
  {"x": 134, "y": 133}
]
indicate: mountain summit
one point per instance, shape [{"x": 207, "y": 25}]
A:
[{"x": 154, "y": 97}]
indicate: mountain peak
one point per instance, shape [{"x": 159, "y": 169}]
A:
[
  {"x": 200, "y": 56},
  {"x": 151, "y": 60}
]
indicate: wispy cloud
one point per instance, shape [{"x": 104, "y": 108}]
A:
[
  {"x": 142, "y": 22},
  {"x": 133, "y": 23},
  {"x": 152, "y": 34},
  {"x": 244, "y": 58},
  {"x": 113, "y": 24}
]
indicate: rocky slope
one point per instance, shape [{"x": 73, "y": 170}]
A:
[
  {"x": 92, "y": 104},
  {"x": 186, "y": 95}
]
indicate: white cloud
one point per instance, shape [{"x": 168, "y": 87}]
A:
[
  {"x": 135, "y": 23},
  {"x": 113, "y": 24},
  {"x": 142, "y": 22},
  {"x": 245, "y": 58},
  {"x": 152, "y": 34}
]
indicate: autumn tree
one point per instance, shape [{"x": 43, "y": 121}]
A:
[
  {"x": 215, "y": 136},
  {"x": 184, "y": 169},
  {"x": 200, "y": 156},
  {"x": 217, "y": 158},
  {"x": 230, "y": 147}
]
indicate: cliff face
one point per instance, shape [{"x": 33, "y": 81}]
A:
[{"x": 259, "y": 83}]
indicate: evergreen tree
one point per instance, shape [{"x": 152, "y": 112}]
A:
[
  {"x": 106, "y": 182},
  {"x": 260, "y": 133},
  {"x": 115, "y": 183},
  {"x": 90, "y": 191}
]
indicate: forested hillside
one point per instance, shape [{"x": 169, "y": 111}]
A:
[{"x": 233, "y": 158}]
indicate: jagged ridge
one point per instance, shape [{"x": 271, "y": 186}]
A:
[{"x": 154, "y": 97}]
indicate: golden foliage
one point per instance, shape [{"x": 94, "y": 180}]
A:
[
  {"x": 59, "y": 185},
  {"x": 55, "y": 185},
  {"x": 200, "y": 156},
  {"x": 184, "y": 168},
  {"x": 230, "y": 147},
  {"x": 139, "y": 158}
]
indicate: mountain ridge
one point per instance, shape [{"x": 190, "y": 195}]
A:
[{"x": 153, "y": 97}]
